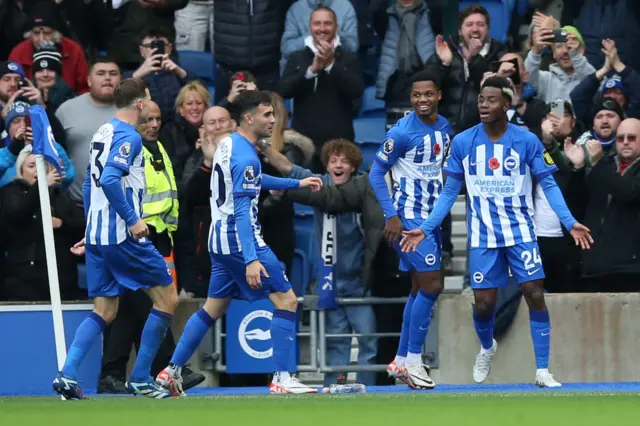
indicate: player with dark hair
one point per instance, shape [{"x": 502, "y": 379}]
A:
[
  {"x": 414, "y": 151},
  {"x": 498, "y": 162},
  {"x": 118, "y": 253},
  {"x": 242, "y": 265}
]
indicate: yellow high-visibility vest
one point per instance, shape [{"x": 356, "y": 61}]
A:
[{"x": 160, "y": 201}]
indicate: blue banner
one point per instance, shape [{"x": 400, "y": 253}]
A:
[
  {"x": 29, "y": 348},
  {"x": 43, "y": 140},
  {"x": 248, "y": 345}
]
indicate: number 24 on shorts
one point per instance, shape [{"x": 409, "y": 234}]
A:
[{"x": 531, "y": 258}]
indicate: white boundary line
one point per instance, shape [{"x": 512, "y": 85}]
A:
[{"x": 43, "y": 308}]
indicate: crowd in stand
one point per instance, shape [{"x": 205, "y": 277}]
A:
[{"x": 575, "y": 76}]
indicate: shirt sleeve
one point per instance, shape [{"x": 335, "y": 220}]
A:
[
  {"x": 453, "y": 163},
  {"x": 124, "y": 151},
  {"x": 244, "y": 175},
  {"x": 539, "y": 160},
  {"x": 278, "y": 184},
  {"x": 394, "y": 145}
]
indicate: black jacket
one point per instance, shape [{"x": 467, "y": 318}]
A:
[
  {"x": 179, "y": 138},
  {"x": 130, "y": 20},
  {"x": 248, "y": 33},
  {"x": 26, "y": 276},
  {"x": 324, "y": 104},
  {"x": 459, "y": 95},
  {"x": 613, "y": 215}
]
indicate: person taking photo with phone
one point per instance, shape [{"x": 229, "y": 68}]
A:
[
  {"x": 163, "y": 75},
  {"x": 570, "y": 67}
]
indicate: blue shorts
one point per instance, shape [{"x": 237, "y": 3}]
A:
[
  {"x": 426, "y": 258},
  {"x": 132, "y": 265},
  {"x": 489, "y": 268},
  {"x": 229, "y": 279}
]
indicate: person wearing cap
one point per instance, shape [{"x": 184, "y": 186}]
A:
[
  {"x": 606, "y": 118},
  {"x": 46, "y": 25},
  {"x": 570, "y": 68},
  {"x": 15, "y": 139},
  {"x": 18, "y": 128},
  {"x": 560, "y": 256},
  {"x": 614, "y": 80},
  {"x": 47, "y": 71}
]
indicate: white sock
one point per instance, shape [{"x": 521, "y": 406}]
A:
[
  {"x": 279, "y": 376},
  {"x": 542, "y": 370},
  {"x": 414, "y": 359},
  {"x": 400, "y": 360},
  {"x": 174, "y": 370},
  {"x": 491, "y": 349}
]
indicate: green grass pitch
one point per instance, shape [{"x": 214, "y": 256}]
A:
[{"x": 539, "y": 409}]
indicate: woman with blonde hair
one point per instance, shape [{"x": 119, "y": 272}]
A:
[
  {"x": 274, "y": 212},
  {"x": 26, "y": 277},
  {"x": 179, "y": 137}
]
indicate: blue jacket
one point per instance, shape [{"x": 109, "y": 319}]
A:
[
  {"x": 7, "y": 160},
  {"x": 296, "y": 26},
  {"x": 164, "y": 87},
  {"x": 425, "y": 44},
  {"x": 351, "y": 244},
  {"x": 10, "y": 172}
]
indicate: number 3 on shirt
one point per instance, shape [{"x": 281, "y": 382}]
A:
[
  {"x": 531, "y": 258},
  {"x": 99, "y": 149},
  {"x": 222, "y": 196}
]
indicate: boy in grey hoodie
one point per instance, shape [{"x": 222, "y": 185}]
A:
[{"x": 342, "y": 159}]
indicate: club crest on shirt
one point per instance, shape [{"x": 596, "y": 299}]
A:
[
  {"x": 511, "y": 163},
  {"x": 436, "y": 149},
  {"x": 547, "y": 159},
  {"x": 125, "y": 149},
  {"x": 387, "y": 146},
  {"x": 249, "y": 174}
]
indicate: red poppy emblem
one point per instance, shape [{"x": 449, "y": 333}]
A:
[
  {"x": 436, "y": 149},
  {"x": 494, "y": 163}
]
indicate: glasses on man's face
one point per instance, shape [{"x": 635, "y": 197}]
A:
[{"x": 628, "y": 138}]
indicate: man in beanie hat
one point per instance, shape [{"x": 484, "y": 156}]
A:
[
  {"x": 13, "y": 87},
  {"x": 11, "y": 73},
  {"x": 18, "y": 131},
  {"x": 614, "y": 80},
  {"x": 47, "y": 23},
  {"x": 607, "y": 116},
  {"x": 570, "y": 68},
  {"x": 47, "y": 70},
  {"x": 14, "y": 138}
]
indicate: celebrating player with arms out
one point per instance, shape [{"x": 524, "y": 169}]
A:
[
  {"x": 414, "y": 150},
  {"x": 498, "y": 160},
  {"x": 118, "y": 253},
  {"x": 242, "y": 265}
]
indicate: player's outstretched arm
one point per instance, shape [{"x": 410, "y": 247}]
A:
[
  {"x": 580, "y": 233},
  {"x": 272, "y": 183},
  {"x": 443, "y": 206}
]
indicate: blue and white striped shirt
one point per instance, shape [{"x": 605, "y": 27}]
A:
[
  {"x": 415, "y": 152},
  {"x": 499, "y": 184},
  {"x": 236, "y": 173},
  {"x": 119, "y": 145}
]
